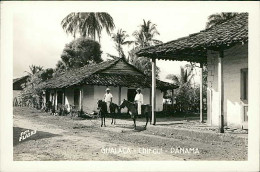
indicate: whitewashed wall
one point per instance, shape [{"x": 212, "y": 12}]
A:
[
  {"x": 69, "y": 96},
  {"x": 159, "y": 100},
  {"x": 235, "y": 59},
  {"x": 91, "y": 94},
  {"x": 88, "y": 102}
]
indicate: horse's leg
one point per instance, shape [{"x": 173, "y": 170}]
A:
[
  {"x": 147, "y": 117},
  {"x": 101, "y": 121},
  {"x": 150, "y": 116},
  {"x": 134, "y": 123},
  {"x": 114, "y": 118},
  {"x": 104, "y": 121}
]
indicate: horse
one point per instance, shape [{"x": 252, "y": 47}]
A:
[
  {"x": 114, "y": 109},
  {"x": 146, "y": 110}
]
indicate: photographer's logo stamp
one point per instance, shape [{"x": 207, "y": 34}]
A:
[{"x": 26, "y": 134}]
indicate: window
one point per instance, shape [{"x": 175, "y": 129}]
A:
[{"x": 244, "y": 84}]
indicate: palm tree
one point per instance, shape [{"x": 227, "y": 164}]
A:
[
  {"x": 145, "y": 36},
  {"x": 185, "y": 95},
  {"x": 34, "y": 69},
  {"x": 185, "y": 77},
  {"x": 88, "y": 24},
  {"x": 216, "y": 19},
  {"x": 120, "y": 40}
]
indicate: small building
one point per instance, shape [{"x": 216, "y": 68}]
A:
[
  {"x": 17, "y": 88},
  {"x": 224, "y": 49},
  {"x": 84, "y": 86}
]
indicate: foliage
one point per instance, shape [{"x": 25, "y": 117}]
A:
[
  {"x": 33, "y": 70},
  {"x": 79, "y": 53},
  {"x": 120, "y": 40},
  {"x": 142, "y": 63},
  {"x": 187, "y": 96},
  {"x": 31, "y": 92},
  {"x": 187, "y": 99},
  {"x": 185, "y": 77},
  {"x": 144, "y": 37},
  {"x": 216, "y": 19},
  {"x": 88, "y": 24}
]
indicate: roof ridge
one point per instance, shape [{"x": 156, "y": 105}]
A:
[{"x": 113, "y": 62}]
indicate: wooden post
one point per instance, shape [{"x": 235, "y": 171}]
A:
[
  {"x": 56, "y": 100},
  {"x": 153, "y": 91},
  {"x": 63, "y": 96},
  {"x": 221, "y": 92},
  {"x": 150, "y": 91},
  {"x": 173, "y": 99},
  {"x": 201, "y": 93},
  {"x": 119, "y": 97},
  {"x": 81, "y": 99}
]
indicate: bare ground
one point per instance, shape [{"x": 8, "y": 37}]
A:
[{"x": 64, "y": 138}]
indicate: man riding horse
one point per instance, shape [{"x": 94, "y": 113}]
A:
[
  {"x": 107, "y": 106},
  {"x": 139, "y": 100},
  {"x": 137, "y": 108},
  {"x": 108, "y": 99}
]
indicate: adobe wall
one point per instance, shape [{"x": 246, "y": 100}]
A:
[{"x": 235, "y": 59}]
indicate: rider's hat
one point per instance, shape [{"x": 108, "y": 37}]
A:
[
  {"x": 108, "y": 89},
  {"x": 138, "y": 89}
]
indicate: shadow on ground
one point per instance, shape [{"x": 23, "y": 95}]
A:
[
  {"x": 131, "y": 127},
  {"x": 38, "y": 135},
  {"x": 176, "y": 123}
]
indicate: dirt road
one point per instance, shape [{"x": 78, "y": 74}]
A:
[{"x": 63, "y": 138}]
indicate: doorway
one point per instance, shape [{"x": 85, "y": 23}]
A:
[
  {"x": 59, "y": 97},
  {"x": 131, "y": 95},
  {"x": 76, "y": 97},
  {"x": 47, "y": 96},
  {"x": 244, "y": 97}
]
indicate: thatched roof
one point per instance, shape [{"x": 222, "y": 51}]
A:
[
  {"x": 194, "y": 47},
  {"x": 93, "y": 75}
]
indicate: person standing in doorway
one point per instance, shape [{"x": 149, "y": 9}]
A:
[
  {"x": 108, "y": 99},
  {"x": 139, "y": 100}
]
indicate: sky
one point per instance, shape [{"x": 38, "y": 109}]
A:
[{"x": 39, "y": 39}]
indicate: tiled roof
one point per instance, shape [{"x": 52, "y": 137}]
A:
[
  {"x": 90, "y": 74},
  {"x": 76, "y": 76},
  {"x": 126, "y": 80},
  {"x": 194, "y": 46}
]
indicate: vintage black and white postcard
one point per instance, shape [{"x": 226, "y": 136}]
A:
[{"x": 130, "y": 86}]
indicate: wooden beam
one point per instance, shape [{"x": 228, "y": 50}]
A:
[
  {"x": 221, "y": 91},
  {"x": 153, "y": 91},
  {"x": 201, "y": 93}
]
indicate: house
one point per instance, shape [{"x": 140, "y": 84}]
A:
[
  {"x": 17, "y": 87},
  {"x": 224, "y": 49},
  {"x": 84, "y": 86}
]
